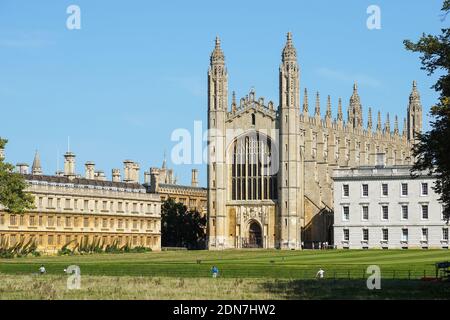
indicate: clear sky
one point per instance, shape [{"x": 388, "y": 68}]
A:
[{"x": 136, "y": 70}]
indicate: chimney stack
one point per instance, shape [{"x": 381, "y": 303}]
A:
[
  {"x": 194, "y": 180},
  {"x": 154, "y": 180},
  {"x": 131, "y": 171},
  {"x": 69, "y": 165},
  {"x": 136, "y": 172},
  {"x": 147, "y": 178},
  {"x": 90, "y": 170},
  {"x": 22, "y": 168},
  {"x": 116, "y": 175},
  {"x": 100, "y": 175}
]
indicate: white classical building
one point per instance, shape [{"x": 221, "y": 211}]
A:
[{"x": 384, "y": 207}]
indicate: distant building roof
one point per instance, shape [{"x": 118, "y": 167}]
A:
[
  {"x": 181, "y": 187},
  {"x": 84, "y": 182},
  {"x": 377, "y": 173}
]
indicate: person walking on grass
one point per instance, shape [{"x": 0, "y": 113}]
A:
[
  {"x": 42, "y": 269},
  {"x": 215, "y": 271},
  {"x": 320, "y": 274}
]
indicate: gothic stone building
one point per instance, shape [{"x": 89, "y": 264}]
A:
[
  {"x": 269, "y": 169},
  {"x": 73, "y": 209}
]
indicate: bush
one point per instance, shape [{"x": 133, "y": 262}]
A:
[
  {"x": 21, "y": 249},
  {"x": 97, "y": 246}
]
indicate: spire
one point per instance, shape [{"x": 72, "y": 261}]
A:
[
  {"x": 164, "y": 161},
  {"x": 387, "y": 125},
  {"x": 328, "y": 113},
  {"x": 396, "y": 125},
  {"x": 355, "y": 109},
  {"x": 414, "y": 123},
  {"x": 233, "y": 102},
  {"x": 217, "y": 56},
  {"x": 36, "y": 168},
  {"x": 305, "y": 103},
  {"x": 405, "y": 128},
  {"x": 379, "y": 121},
  {"x": 340, "y": 115},
  {"x": 369, "y": 121},
  {"x": 289, "y": 51},
  {"x": 414, "y": 93},
  {"x": 317, "y": 111}
]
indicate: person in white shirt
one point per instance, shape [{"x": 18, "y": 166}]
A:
[
  {"x": 42, "y": 270},
  {"x": 320, "y": 274}
]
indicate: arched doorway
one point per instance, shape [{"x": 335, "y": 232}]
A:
[{"x": 254, "y": 235}]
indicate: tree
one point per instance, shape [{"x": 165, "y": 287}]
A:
[
  {"x": 432, "y": 150},
  {"x": 12, "y": 186},
  {"x": 181, "y": 227}
]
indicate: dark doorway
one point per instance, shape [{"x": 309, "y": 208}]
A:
[{"x": 254, "y": 236}]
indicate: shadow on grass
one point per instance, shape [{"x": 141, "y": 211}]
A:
[{"x": 356, "y": 289}]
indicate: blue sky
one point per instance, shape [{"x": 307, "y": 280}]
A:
[{"x": 137, "y": 69}]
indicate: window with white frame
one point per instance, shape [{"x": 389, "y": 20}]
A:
[
  {"x": 424, "y": 189},
  {"x": 384, "y": 212},
  {"x": 445, "y": 234},
  {"x": 385, "y": 233},
  {"x": 365, "y": 190},
  {"x": 405, "y": 235},
  {"x": 424, "y": 211},
  {"x": 384, "y": 190},
  {"x": 404, "y": 189},
  {"x": 365, "y": 213},
  {"x": 345, "y": 213},
  {"x": 424, "y": 234},
  {"x": 346, "y": 235},
  {"x": 345, "y": 190},
  {"x": 365, "y": 233},
  {"x": 404, "y": 212}
]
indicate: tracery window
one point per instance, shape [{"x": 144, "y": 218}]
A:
[{"x": 253, "y": 168}]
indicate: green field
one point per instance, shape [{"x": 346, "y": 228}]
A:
[
  {"x": 244, "y": 274},
  {"x": 275, "y": 264}
]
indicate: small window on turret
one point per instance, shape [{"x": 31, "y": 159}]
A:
[{"x": 253, "y": 119}]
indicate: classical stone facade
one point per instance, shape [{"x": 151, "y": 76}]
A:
[
  {"x": 71, "y": 208},
  {"x": 382, "y": 207},
  {"x": 163, "y": 182},
  {"x": 269, "y": 168}
]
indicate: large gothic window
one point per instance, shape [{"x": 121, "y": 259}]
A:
[{"x": 254, "y": 168}]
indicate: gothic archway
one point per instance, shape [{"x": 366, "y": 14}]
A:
[{"x": 254, "y": 239}]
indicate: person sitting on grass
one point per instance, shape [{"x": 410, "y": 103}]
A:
[
  {"x": 320, "y": 274},
  {"x": 215, "y": 271},
  {"x": 42, "y": 269}
]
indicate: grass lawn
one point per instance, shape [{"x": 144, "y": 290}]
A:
[
  {"x": 171, "y": 288},
  {"x": 244, "y": 274},
  {"x": 274, "y": 264}
]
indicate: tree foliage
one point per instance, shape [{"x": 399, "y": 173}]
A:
[
  {"x": 12, "y": 188},
  {"x": 181, "y": 227},
  {"x": 432, "y": 151}
]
